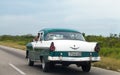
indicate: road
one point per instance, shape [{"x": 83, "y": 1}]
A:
[{"x": 13, "y": 62}]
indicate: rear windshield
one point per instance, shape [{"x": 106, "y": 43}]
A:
[{"x": 64, "y": 36}]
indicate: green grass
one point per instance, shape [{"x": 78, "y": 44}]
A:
[
  {"x": 110, "y": 52},
  {"x": 13, "y": 44},
  {"x": 110, "y": 59},
  {"x": 108, "y": 63}
]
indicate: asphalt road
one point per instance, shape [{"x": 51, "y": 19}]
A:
[{"x": 13, "y": 62}]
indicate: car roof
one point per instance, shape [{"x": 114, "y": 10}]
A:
[{"x": 48, "y": 30}]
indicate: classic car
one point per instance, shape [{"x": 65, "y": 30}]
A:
[{"x": 62, "y": 46}]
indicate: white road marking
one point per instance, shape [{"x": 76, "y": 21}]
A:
[{"x": 17, "y": 69}]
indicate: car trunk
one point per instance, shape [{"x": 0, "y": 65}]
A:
[{"x": 74, "y": 45}]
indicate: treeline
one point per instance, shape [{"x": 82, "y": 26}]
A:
[
  {"x": 112, "y": 41},
  {"x": 22, "y": 40}
]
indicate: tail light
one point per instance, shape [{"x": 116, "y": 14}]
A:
[
  {"x": 52, "y": 47},
  {"x": 97, "y": 48}
]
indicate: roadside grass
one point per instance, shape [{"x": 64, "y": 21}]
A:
[
  {"x": 110, "y": 59},
  {"x": 110, "y": 52},
  {"x": 108, "y": 63},
  {"x": 13, "y": 44}
]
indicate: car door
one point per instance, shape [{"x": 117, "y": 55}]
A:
[{"x": 37, "y": 49}]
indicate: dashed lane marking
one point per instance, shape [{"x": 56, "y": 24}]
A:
[{"x": 17, "y": 69}]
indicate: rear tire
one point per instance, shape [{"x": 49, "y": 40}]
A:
[
  {"x": 86, "y": 67},
  {"x": 65, "y": 65},
  {"x": 26, "y": 54},
  {"x": 51, "y": 65},
  {"x": 30, "y": 62},
  {"x": 45, "y": 65}
]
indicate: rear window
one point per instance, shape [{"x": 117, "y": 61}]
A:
[{"x": 64, "y": 36}]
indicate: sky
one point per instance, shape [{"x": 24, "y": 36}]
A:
[{"x": 93, "y": 17}]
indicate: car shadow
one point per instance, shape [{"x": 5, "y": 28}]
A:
[{"x": 58, "y": 69}]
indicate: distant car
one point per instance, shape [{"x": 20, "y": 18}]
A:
[{"x": 62, "y": 46}]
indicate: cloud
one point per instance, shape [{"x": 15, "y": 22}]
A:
[
  {"x": 94, "y": 9},
  {"x": 85, "y": 15}
]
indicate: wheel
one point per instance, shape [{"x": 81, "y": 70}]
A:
[
  {"x": 65, "y": 65},
  {"x": 86, "y": 67},
  {"x": 30, "y": 62},
  {"x": 26, "y": 53},
  {"x": 45, "y": 65},
  {"x": 51, "y": 65}
]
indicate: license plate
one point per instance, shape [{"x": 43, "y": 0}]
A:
[{"x": 74, "y": 54}]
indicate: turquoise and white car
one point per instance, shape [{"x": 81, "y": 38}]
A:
[{"x": 62, "y": 46}]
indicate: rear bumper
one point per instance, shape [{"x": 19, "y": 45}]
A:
[{"x": 74, "y": 59}]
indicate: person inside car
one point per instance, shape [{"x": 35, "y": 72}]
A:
[{"x": 37, "y": 37}]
